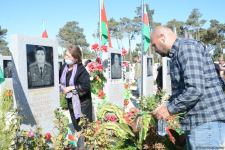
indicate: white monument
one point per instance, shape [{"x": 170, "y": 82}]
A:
[
  {"x": 36, "y": 84},
  {"x": 166, "y": 75},
  {"x": 114, "y": 85},
  {"x": 148, "y": 79}
]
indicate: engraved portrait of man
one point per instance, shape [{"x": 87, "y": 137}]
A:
[{"x": 40, "y": 71}]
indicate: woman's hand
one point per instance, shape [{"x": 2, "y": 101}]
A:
[{"x": 68, "y": 89}]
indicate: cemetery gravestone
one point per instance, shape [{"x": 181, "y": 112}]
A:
[{"x": 36, "y": 84}]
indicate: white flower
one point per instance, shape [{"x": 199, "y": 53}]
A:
[{"x": 91, "y": 78}]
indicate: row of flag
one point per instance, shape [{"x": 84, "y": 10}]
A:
[
  {"x": 104, "y": 31},
  {"x": 105, "y": 38}
]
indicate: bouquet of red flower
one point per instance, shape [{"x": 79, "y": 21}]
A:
[
  {"x": 97, "y": 78},
  {"x": 97, "y": 48}
]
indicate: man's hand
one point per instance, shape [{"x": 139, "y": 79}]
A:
[
  {"x": 161, "y": 112},
  {"x": 68, "y": 89}
]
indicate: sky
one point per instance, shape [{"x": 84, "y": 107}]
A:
[{"x": 26, "y": 16}]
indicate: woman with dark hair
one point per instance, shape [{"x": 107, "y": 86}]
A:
[{"x": 75, "y": 83}]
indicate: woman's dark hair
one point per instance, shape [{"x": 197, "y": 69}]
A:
[{"x": 75, "y": 52}]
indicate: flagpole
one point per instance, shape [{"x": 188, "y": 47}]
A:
[
  {"x": 142, "y": 50},
  {"x": 101, "y": 4},
  {"x": 100, "y": 23}
]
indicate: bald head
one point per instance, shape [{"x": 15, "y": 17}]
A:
[
  {"x": 162, "y": 30},
  {"x": 162, "y": 39}
]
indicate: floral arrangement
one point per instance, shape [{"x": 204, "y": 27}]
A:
[
  {"x": 97, "y": 78},
  {"x": 116, "y": 129},
  {"x": 98, "y": 48},
  {"x": 34, "y": 139},
  {"x": 7, "y": 100},
  {"x": 9, "y": 121}
]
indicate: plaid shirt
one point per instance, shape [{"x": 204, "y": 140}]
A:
[{"x": 196, "y": 91}]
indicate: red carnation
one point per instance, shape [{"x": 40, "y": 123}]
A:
[
  {"x": 95, "y": 47},
  {"x": 104, "y": 48},
  {"x": 101, "y": 94},
  {"x": 100, "y": 67},
  {"x": 91, "y": 67},
  {"x": 113, "y": 118},
  {"x": 124, "y": 52},
  {"x": 71, "y": 137},
  {"x": 48, "y": 136},
  {"x": 125, "y": 64},
  {"x": 98, "y": 60}
]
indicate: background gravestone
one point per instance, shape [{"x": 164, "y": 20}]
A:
[
  {"x": 166, "y": 75},
  {"x": 35, "y": 100},
  {"x": 114, "y": 85},
  {"x": 7, "y": 70},
  {"x": 148, "y": 78}
]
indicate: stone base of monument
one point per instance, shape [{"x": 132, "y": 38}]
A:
[
  {"x": 7, "y": 84},
  {"x": 114, "y": 93}
]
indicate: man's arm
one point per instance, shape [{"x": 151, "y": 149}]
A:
[{"x": 190, "y": 59}]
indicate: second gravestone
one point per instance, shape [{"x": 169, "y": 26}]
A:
[{"x": 35, "y": 80}]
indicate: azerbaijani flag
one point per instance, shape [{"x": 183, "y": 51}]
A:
[
  {"x": 145, "y": 28},
  {"x": 104, "y": 31}
]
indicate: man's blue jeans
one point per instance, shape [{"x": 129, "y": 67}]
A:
[{"x": 208, "y": 136}]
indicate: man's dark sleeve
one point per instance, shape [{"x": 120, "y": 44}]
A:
[{"x": 191, "y": 61}]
